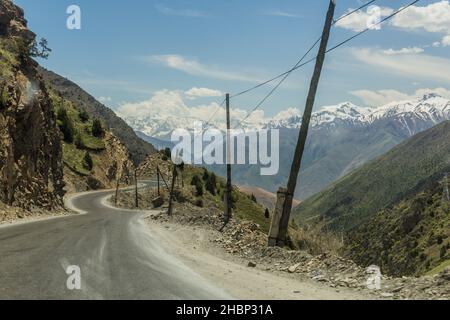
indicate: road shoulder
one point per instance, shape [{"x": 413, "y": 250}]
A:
[{"x": 196, "y": 248}]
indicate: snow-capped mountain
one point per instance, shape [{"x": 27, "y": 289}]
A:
[
  {"x": 343, "y": 137},
  {"x": 410, "y": 116},
  {"x": 430, "y": 107}
]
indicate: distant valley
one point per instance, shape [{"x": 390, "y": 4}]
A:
[{"x": 342, "y": 138}]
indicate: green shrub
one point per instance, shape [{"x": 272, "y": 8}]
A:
[
  {"x": 194, "y": 180},
  {"x": 79, "y": 143},
  {"x": 198, "y": 184},
  {"x": 87, "y": 161},
  {"x": 210, "y": 184},
  {"x": 443, "y": 252},
  {"x": 97, "y": 129},
  {"x": 84, "y": 116},
  {"x": 205, "y": 176},
  {"x": 65, "y": 125},
  {"x": 267, "y": 213},
  {"x": 4, "y": 98}
]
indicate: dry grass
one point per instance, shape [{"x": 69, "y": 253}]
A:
[{"x": 315, "y": 239}]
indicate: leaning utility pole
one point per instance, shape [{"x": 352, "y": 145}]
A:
[
  {"x": 117, "y": 189},
  {"x": 157, "y": 175},
  {"x": 227, "y": 200},
  {"x": 136, "y": 200},
  {"x": 174, "y": 176},
  {"x": 280, "y": 221}
]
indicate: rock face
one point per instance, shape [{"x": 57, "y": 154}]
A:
[
  {"x": 110, "y": 164},
  {"x": 31, "y": 172}
]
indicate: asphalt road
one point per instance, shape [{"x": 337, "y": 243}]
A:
[{"x": 115, "y": 251}]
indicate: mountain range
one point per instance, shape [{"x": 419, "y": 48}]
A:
[{"x": 342, "y": 138}]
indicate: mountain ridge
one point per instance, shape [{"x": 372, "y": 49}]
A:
[
  {"x": 430, "y": 106},
  {"x": 347, "y": 137},
  {"x": 138, "y": 148},
  {"x": 403, "y": 171}
]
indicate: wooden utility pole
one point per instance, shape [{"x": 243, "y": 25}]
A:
[
  {"x": 227, "y": 200},
  {"x": 174, "y": 176},
  {"x": 280, "y": 220},
  {"x": 157, "y": 175},
  {"x": 164, "y": 180},
  {"x": 136, "y": 189},
  {"x": 117, "y": 190}
]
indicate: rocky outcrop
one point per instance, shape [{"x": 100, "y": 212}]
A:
[
  {"x": 31, "y": 174},
  {"x": 110, "y": 164},
  {"x": 13, "y": 23}
]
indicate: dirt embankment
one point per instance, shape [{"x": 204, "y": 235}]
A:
[{"x": 243, "y": 243}]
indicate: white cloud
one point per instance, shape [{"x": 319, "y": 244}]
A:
[
  {"x": 410, "y": 50},
  {"x": 436, "y": 44},
  {"x": 280, "y": 13},
  {"x": 167, "y": 109},
  {"x": 180, "y": 12},
  {"x": 288, "y": 113},
  {"x": 382, "y": 97},
  {"x": 196, "y": 68},
  {"x": 202, "y": 93},
  {"x": 434, "y": 18},
  {"x": 446, "y": 41},
  {"x": 360, "y": 20},
  {"x": 409, "y": 65}
]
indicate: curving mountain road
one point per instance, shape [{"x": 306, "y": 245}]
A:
[{"x": 116, "y": 253}]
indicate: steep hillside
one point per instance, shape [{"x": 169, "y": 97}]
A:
[
  {"x": 210, "y": 197},
  {"x": 93, "y": 157},
  {"x": 408, "y": 168},
  {"x": 31, "y": 170},
  {"x": 264, "y": 197},
  {"x": 68, "y": 90},
  {"x": 49, "y": 145},
  {"x": 411, "y": 238}
]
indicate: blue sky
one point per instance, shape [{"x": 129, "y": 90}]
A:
[{"x": 128, "y": 50}]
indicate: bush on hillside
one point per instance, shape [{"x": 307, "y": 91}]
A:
[{"x": 65, "y": 125}]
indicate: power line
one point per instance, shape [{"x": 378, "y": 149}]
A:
[
  {"x": 215, "y": 112},
  {"x": 353, "y": 11},
  {"x": 309, "y": 50},
  {"x": 279, "y": 83},
  {"x": 374, "y": 25},
  {"x": 287, "y": 73}
]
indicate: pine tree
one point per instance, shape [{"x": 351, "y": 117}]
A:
[
  {"x": 198, "y": 184},
  {"x": 88, "y": 163},
  {"x": 205, "y": 175},
  {"x": 210, "y": 184},
  {"x": 83, "y": 115},
  {"x": 97, "y": 129},
  {"x": 79, "y": 141},
  {"x": 65, "y": 125}
]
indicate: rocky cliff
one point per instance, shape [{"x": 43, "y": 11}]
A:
[{"x": 31, "y": 171}]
